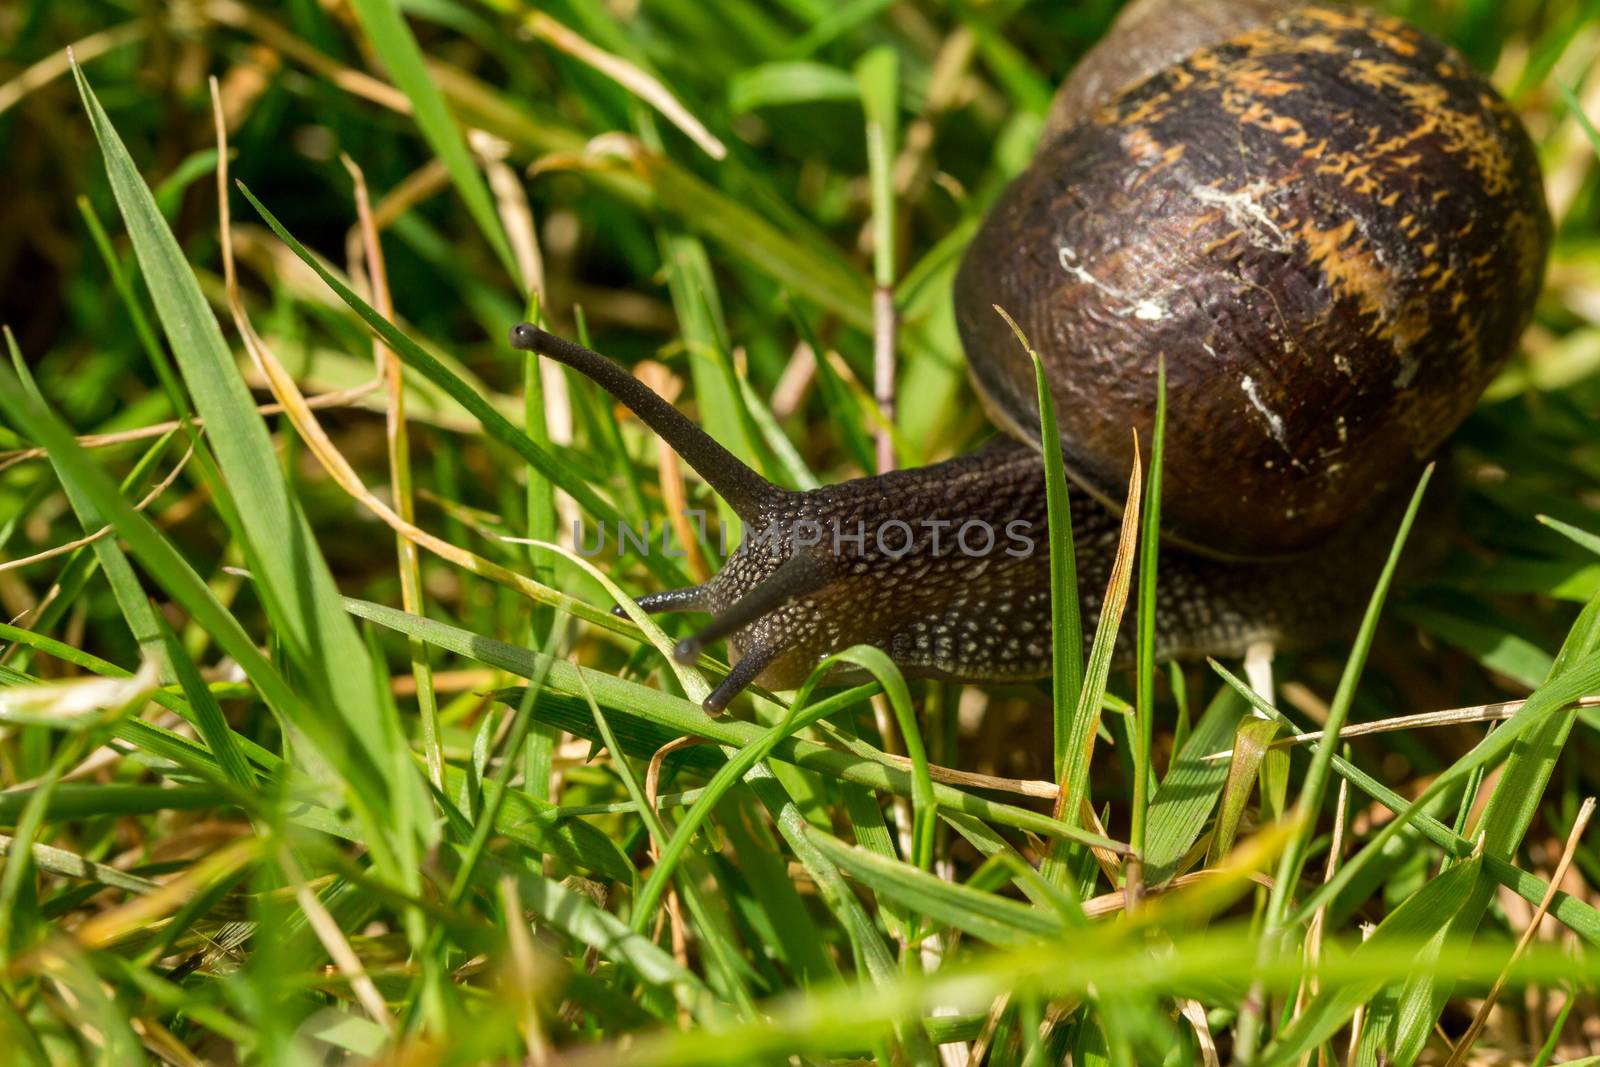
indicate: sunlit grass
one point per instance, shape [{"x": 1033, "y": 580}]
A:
[{"x": 309, "y": 757}]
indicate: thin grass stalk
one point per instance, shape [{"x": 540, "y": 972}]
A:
[
  {"x": 1144, "y": 701},
  {"x": 878, "y": 77},
  {"x": 1458, "y": 1055},
  {"x": 1319, "y": 920},
  {"x": 1074, "y": 781},
  {"x": 1066, "y": 623},
  {"x": 543, "y": 522},
  {"x": 398, "y": 445},
  {"x": 1489, "y": 713}
]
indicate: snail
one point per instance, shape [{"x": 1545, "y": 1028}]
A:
[{"x": 1330, "y": 228}]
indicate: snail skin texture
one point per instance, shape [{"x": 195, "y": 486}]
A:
[{"x": 1329, "y": 227}]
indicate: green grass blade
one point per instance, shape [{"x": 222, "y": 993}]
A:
[
  {"x": 1415, "y": 920},
  {"x": 1189, "y": 791},
  {"x": 136, "y": 609},
  {"x": 1310, "y": 800},
  {"x": 1250, "y": 743},
  {"x": 206, "y": 713},
  {"x": 1066, "y": 623},
  {"x": 796, "y": 82},
  {"x": 1149, "y": 551},
  {"x": 681, "y": 717},
  {"x": 398, "y": 49},
  {"x": 985, "y": 916},
  {"x": 798, "y": 716},
  {"x": 291, "y": 573},
  {"x": 646, "y": 910},
  {"x": 1573, "y": 533}
]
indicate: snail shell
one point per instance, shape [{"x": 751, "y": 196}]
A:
[{"x": 1329, "y": 226}]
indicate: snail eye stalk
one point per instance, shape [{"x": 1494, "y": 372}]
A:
[
  {"x": 744, "y": 490},
  {"x": 749, "y": 494}
]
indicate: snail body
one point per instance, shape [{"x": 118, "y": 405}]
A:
[{"x": 1330, "y": 229}]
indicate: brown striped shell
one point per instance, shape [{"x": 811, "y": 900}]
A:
[{"x": 1332, "y": 229}]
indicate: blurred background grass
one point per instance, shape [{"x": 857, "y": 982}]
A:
[{"x": 726, "y": 257}]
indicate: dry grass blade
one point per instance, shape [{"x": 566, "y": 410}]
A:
[
  {"x": 398, "y": 448},
  {"x": 991, "y": 1025},
  {"x": 335, "y": 399},
  {"x": 1481, "y": 1017},
  {"x": 104, "y": 531},
  {"x": 1314, "y": 933},
  {"x": 669, "y": 471},
  {"x": 332, "y": 938},
  {"x": 1112, "y": 903},
  {"x": 111, "y": 926},
  {"x": 84, "y": 50},
  {"x": 1358, "y": 1020},
  {"x": 1110, "y": 862},
  {"x": 1027, "y": 787},
  {"x": 511, "y": 202},
  {"x": 526, "y": 973},
  {"x": 269, "y": 33},
  {"x": 1195, "y": 1013},
  {"x": 1452, "y": 717},
  {"x": 652, "y": 790},
  {"x": 1074, "y": 772},
  {"x": 630, "y": 77}
]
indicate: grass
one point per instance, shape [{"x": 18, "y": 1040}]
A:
[{"x": 308, "y": 759}]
